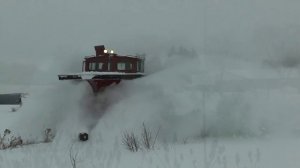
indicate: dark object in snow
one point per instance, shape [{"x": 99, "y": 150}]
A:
[
  {"x": 106, "y": 68},
  {"x": 11, "y": 99},
  {"x": 83, "y": 136}
]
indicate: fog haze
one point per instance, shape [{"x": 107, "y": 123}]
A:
[
  {"x": 221, "y": 40},
  {"x": 61, "y": 32}
]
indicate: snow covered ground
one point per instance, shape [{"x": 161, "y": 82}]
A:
[
  {"x": 246, "y": 126},
  {"x": 222, "y": 84}
]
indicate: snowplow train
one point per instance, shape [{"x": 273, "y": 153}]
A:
[{"x": 106, "y": 68}]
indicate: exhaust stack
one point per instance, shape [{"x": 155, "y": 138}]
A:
[{"x": 99, "y": 50}]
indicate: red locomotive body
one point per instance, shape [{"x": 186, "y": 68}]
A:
[{"x": 106, "y": 68}]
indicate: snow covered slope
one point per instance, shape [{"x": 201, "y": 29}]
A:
[{"x": 224, "y": 70}]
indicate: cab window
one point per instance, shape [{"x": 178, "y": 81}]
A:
[
  {"x": 100, "y": 65},
  {"x": 121, "y": 66},
  {"x": 92, "y": 66}
]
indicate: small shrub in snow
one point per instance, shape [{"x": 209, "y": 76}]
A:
[
  {"x": 73, "y": 157},
  {"x": 48, "y": 135},
  {"x": 9, "y": 142},
  {"x": 131, "y": 142},
  {"x": 147, "y": 137},
  {"x": 15, "y": 142},
  {"x": 6, "y": 132},
  {"x": 3, "y": 137}
]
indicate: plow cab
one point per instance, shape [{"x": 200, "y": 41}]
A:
[{"x": 106, "y": 68}]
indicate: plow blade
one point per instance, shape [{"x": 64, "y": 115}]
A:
[{"x": 100, "y": 76}]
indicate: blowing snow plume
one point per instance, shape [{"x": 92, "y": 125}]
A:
[{"x": 187, "y": 101}]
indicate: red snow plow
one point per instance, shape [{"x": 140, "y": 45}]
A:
[{"x": 106, "y": 68}]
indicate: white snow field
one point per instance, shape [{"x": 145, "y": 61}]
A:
[{"x": 222, "y": 84}]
